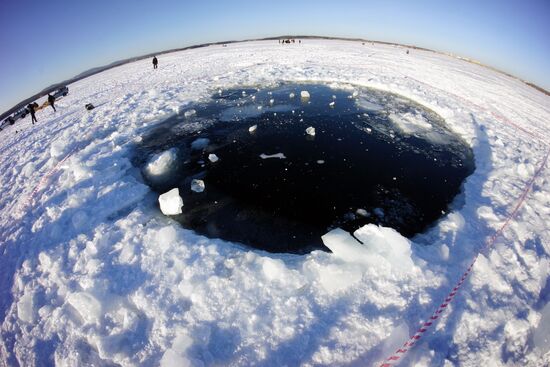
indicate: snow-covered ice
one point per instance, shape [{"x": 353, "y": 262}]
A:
[
  {"x": 171, "y": 202},
  {"x": 93, "y": 274}
]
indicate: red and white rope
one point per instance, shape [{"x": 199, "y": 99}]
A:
[{"x": 400, "y": 352}]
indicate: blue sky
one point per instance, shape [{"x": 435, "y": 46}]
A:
[{"x": 43, "y": 42}]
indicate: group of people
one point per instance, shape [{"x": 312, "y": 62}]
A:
[
  {"x": 290, "y": 40},
  {"x": 33, "y": 106}
]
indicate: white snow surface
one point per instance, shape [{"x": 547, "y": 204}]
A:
[{"x": 93, "y": 274}]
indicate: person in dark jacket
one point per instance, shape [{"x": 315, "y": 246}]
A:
[
  {"x": 30, "y": 107},
  {"x": 51, "y": 101},
  {"x": 155, "y": 62}
]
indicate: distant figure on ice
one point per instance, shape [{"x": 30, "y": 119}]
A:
[
  {"x": 51, "y": 101},
  {"x": 155, "y": 62},
  {"x": 30, "y": 107}
]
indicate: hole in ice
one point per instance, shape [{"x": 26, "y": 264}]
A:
[{"x": 277, "y": 168}]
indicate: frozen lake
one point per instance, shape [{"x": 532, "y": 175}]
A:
[{"x": 280, "y": 168}]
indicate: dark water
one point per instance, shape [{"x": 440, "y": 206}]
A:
[{"x": 403, "y": 178}]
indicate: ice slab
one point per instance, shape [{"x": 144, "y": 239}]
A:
[
  {"x": 197, "y": 185},
  {"x": 171, "y": 202},
  {"x": 189, "y": 113},
  {"x": 161, "y": 164},
  {"x": 380, "y": 245},
  {"x": 200, "y": 143},
  {"x": 277, "y": 155}
]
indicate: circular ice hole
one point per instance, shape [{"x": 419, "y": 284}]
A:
[{"x": 374, "y": 158}]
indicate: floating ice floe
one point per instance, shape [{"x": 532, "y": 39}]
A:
[
  {"x": 197, "y": 185},
  {"x": 161, "y": 164},
  {"x": 304, "y": 94},
  {"x": 368, "y": 105},
  {"x": 362, "y": 212},
  {"x": 189, "y": 113},
  {"x": 277, "y": 155},
  {"x": 171, "y": 202},
  {"x": 379, "y": 212},
  {"x": 310, "y": 131},
  {"x": 291, "y": 95},
  {"x": 200, "y": 143},
  {"x": 252, "y": 128},
  {"x": 331, "y": 104},
  {"x": 213, "y": 158}
]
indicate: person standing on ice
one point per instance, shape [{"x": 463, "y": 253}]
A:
[
  {"x": 51, "y": 101},
  {"x": 155, "y": 62},
  {"x": 30, "y": 107}
]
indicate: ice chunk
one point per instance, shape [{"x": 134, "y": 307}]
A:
[
  {"x": 304, "y": 94},
  {"x": 177, "y": 355},
  {"x": 291, "y": 95},
  {"x": 368, "y": 105},
  {"x": 87, "y": 306},
  {"x": 310, "y": 131},
  {"x": 160, "y": 165},
  {"x": 189, "y": 113},
  {"x": 171, "y": 202},
  {"x": 331, "y": 104},
  {"x": 213, "y": 158},
  {"x": 381, "y": 245},
  {"x": 200, "y": 143},
  {"x": 388, "y": 243},
  {"x": 252, "y": 128},
  {"x": 25, "y": 307},
  {"x": 320, "y": 161},
  {"x": 362, "y": 212},
  {"x": 271, "y": 101},
  {"x": 343, "y": 245},
  {"x": 240, "y": 113},
  {"x": 197, "y": 185},
  {"x": 355, "y": 94},
  {"x": 277, "y": 155},
  {"x": 410, "y": 123}
]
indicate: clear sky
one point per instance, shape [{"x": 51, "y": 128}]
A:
[{"x": 43, "y": 42}]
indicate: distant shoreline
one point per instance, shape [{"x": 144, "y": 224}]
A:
[{"x": 100, "y": 69}]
